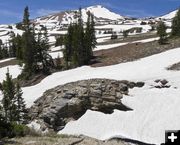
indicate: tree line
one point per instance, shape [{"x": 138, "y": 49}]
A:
[{"x": 80, "y": 42}]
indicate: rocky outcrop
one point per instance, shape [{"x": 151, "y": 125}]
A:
[
  {"x": 63, "y": 103},
  {"x": 161, "y": 83}
]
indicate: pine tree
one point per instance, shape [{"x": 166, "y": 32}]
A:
[
  {"x": 42, "y": 57},
  {"x": 59, "y": 41},
  {"x": 12, "y": 45},
  {"x": 68, "y": 51},
  {"x": 8, "y": 90},
  {"x": 28, "y": 45},
  {"x": 21, "y": 111},
  {"x": 125, "y": 33},
  {"x": 13, "y": 103},
  {"x": 79, "y": 42},
  {"x": 93, "y": 33},
  {"x": 176, "y": 25},
  {"x": 161, "y": 31},
  {"x": 1, "y": 53},
  {"x": 19, "y": 49}
]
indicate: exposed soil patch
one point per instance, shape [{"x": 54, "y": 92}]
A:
[
  {"x": 10, "y": 62},
  {"x": 130, "y": 38},
  {"x": 175, "y": 66},
  {"x": 131, "y": 52},
  {"x": 67, "y": 140},
  {"x": 35, "y": 79}
]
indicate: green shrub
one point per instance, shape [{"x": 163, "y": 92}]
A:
[{"x": 18, "y": 130}]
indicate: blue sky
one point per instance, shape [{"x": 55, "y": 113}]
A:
[{"x": 11, "y": 11}]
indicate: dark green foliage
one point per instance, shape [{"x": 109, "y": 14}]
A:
[
  {"x": 42, "y": 58},
  {"x": 176, "y": 25},
  {"x": 114, "y": 36},
  {"x": 59, "y": 41},
  {"x": 125, "y": 33},
  {"x": 58, "y": 63},
  {"x": 13, "y": 104},
  {"x": 13, "y": 112},
  {"x": 32, "y": 49},
  {"x": 13, "y": 130},
  {"x": 12, "y": 46},
  {"x": 19, "y": 49},
  {"x": 143, "y": 23},
  {"x": 28, "y": 44},
  {"x": 161, "y": 31},
  {"x": 18, "y": 130},
  {"x": 8, "y": 90},
  {"x": 79, "y": 42},
  {"x": 21, "y": 111},
  {"x": 19, "y": 26}
]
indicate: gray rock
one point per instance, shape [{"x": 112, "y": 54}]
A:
[
  {"x": 140, "y": 84},
  {"x": 63, "y": 103}
]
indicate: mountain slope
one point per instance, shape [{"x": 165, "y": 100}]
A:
[
  {"x": 62, "y": 18},
  {"x": 169, "y": 16}
]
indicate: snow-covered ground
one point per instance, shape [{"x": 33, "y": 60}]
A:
[
  {"x": 102, "y": 47},
  {"x": 14, "y": 70},
  {"x": 4, "y": 60},
  {"x": 153, "y": 108},
  {"x": 123, "y": 27}
]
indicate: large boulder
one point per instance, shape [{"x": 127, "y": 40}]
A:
[{"x": 63, "y": 103}]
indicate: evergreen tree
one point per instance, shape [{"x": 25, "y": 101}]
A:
[
  {"x": 8, "y": 90},
  {"x": 59, "y": 41},
  {"x": 12, "y": 45},
  {"x": 1, "y": 53},
  {"x": 13, "y": 103},
  {"x": 79, "y": 42},
  {"x": 93, "y": 33},
  {"x": 68, "y": 51},
  {"x": 28, "y": 43},
  {"x": 161, "y": 31},
  {"x": 42, "y": 57},
  {"x": 21, "y": 111},
  {"x": 125, "y": 33},
  {"x": 176, "y": 25},
  {"x": 19, "y": 49}
]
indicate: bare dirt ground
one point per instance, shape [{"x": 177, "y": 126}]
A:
[
  {"x": 10, "y": 62},
  {"x": 175, "y": 67},
  {"x": 68, "y": 140},
  {"x": 130, "y": 38},
  {"x": 131, "y": 52}
]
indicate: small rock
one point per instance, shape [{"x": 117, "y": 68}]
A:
[
  {"x": 157, "y": 81},
  {"x": 131, "y": 85},
  {"x": 140, "y": 84},
  {"x": 164, "y": 82},
  {"x": 123, "y": 87}
]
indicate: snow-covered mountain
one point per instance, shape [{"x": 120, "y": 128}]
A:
[
  {"x": 169, "y": 16},
  {"x": 57, "y": 23},
  {"x": 102, "y": 15}
]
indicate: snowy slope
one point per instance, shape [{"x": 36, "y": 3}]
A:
[
  {"x": 169, "y": 16},
  {"x": 100, "y": 13},
  {"x": 149, "y": 119},
  {"x": 153, "y": 108},
  {"x": 7, "y": 30}
]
